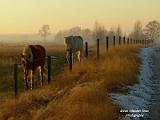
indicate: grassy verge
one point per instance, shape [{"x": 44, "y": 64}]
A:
[{"x": 82, "y": 94}]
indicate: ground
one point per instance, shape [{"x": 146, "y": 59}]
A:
[
  {"x": 155, "y": 97},
  {"x": 146, "y": 94},
  {"x": 82, "y": 93}
]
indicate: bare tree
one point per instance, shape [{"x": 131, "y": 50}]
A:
[
  {"x": 99, "y": 32},
  {"x": 111, "y": 33},
  {"x": 152, "y": 30},
  {"x": 87, "y": 35},
  {"x": 44, "y": 31},
  {"x": 137, "y": 32},
  {"x": 118, "y": 31},
  {"x": 75, "y": 31}
]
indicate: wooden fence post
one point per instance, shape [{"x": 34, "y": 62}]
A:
[
  {"x": 131, "y": 41},
  {"x": 119, "y": 40},
  {"x": 97, "y": 48},
  {"x": 128, "y": 41},
  {"x": 49, "y": 59},
  {"x": 86, "y": 49},
  {"x": 15, "y": 80},
  {"x": 107, "y": 46},
  {"x": 142, "y": 42},
  {"x": 124, "y": 40},
  {"x": 25, "y": 79},
  {"x": 114, "y": 41},
  {"x": 139, "y": 41},
  {"x": 70, "y": 59}
]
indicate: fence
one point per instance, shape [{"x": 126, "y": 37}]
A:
[
  {"x": 50, "y": 58},
  {"x": 17, "y": 66}
]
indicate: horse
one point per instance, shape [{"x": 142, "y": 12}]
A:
[
  {"x": 33, "y": 59},
  {"x": 74, "y": 43}
]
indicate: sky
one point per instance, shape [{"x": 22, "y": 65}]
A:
[{"x": 27, "y": 16}]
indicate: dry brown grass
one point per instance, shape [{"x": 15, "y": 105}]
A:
[
  {"x": 9, "y": 55},
  {"x": 81, "y": 94}
]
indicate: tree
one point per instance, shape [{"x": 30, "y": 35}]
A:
[
  {"x": 44, "y": 31},
  {"x": 111, "y": 33},
  {"x": 87, "y": 35},
  {"x": 152, "y": 30},
  {"x": 75, "y": 31},
  {"x": 99, "y": 32},
  {"x": 118, "y": 31},
  {"x": 137, "y": 32}
]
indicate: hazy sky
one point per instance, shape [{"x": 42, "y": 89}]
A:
[{"x": 27, "y": 16}]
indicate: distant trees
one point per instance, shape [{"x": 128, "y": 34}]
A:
[
  {"x": 87, "y": 34},
  {"x": 44, "y": 31},
  {"x": 137, "y": 32},
  {"x": 152, "y": 30},
  {"x": 111, "y": 32},
  {"x": 59, "y": 37},
  {"x": 118, "y": 31},
  {"x": 100, "y": 32},
  {"x": 75, "y": 31}
]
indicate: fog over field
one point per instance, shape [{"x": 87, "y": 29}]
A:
[
  {"x": 54, "y": 38},
  {"x": 22, "y": 39}
]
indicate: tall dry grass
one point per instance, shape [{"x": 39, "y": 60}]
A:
[
  {"x": 81, "y": 94},
  {"x": 9, "y": 55}
]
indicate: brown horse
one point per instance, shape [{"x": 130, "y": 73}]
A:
[{"x": 33, "y": 59}]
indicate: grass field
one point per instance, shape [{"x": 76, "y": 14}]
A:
[
  {"x": 9, "y": 55},
  {"x": 82, "y": 94}
]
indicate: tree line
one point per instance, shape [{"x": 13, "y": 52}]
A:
[{"x": 151, "y": 31}]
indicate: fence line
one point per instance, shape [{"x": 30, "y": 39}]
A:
[{"x": 121, "y": 40}]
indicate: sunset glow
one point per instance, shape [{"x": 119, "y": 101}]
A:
[{"x": 27, "y": 16}]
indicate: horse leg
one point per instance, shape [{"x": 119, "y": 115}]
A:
[
  {"x": 40, "y": 75},
  {"x": 25, "y": 79},
  {"x": 26, "y": 83},
  {"x": 73, "y": 58},
  {"x": 79, "y": 56},
  {"x": 31, "y": 79},
  {"x": 67, "y": 56}
]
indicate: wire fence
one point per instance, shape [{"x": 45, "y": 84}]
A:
[{"x": 121, "y": 41}]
